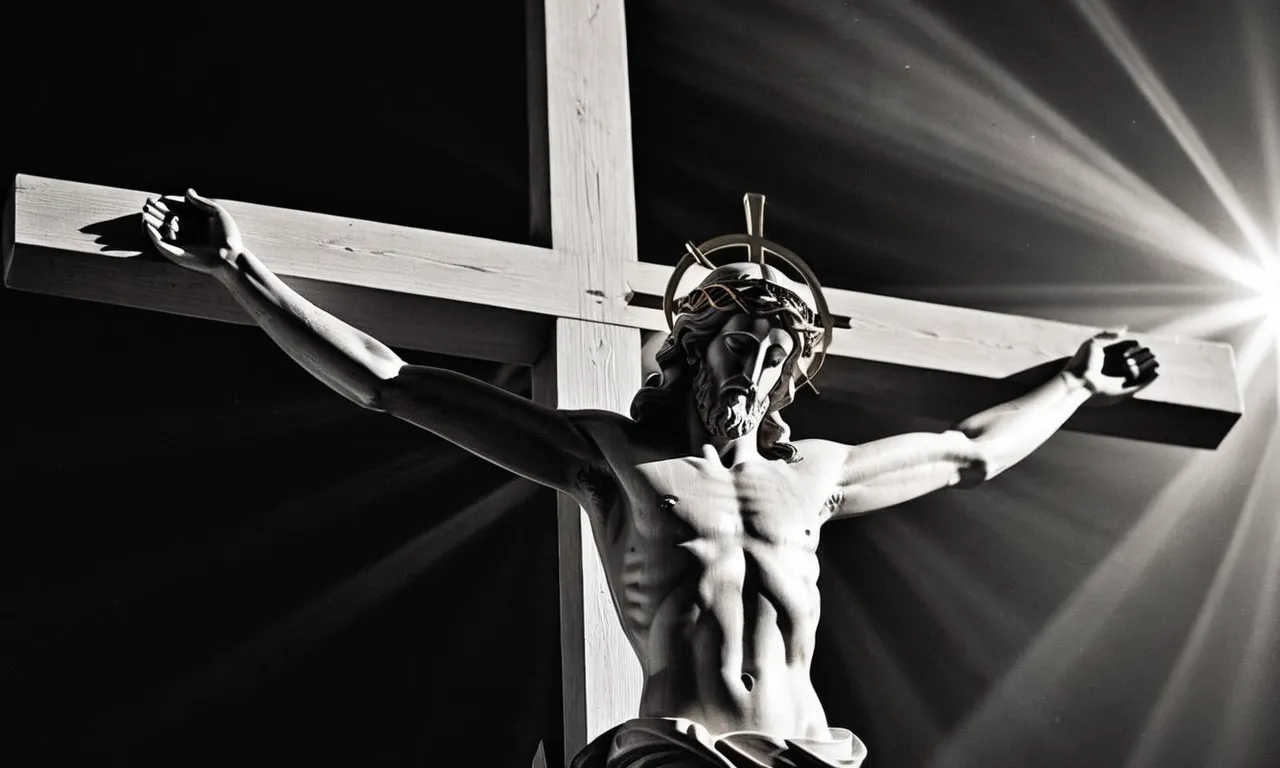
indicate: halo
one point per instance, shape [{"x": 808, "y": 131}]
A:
[{"x": 757, "y": 247}]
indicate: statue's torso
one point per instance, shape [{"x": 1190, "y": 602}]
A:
[{"x": 715, "y": 573}]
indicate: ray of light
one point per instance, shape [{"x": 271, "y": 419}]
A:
[
  {"x": 1259, "y": 664},
  {"x": 1122, "y": 45},
  {"x": 1260, "y": 344},
  {"x": 961, "y": 116},
  {"x": 968, "y": 611},
  {"x": 358, "y": 489},
  {"x": 888, "y": 697},
  {"x": 1259, "y": 51},
  {"x": 110, "y": 589},
  {"x": 1051, "y": 657},
  {"x": 962, "y": 112},
  {"x": 302, "y": 629},
  {"x": 946, "y": 122},
  {"x": 1207, "y": 322},
  {"x": 1181, "y": 683}
]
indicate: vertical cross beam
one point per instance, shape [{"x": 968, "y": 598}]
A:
[{"x": 590, "y": 364}]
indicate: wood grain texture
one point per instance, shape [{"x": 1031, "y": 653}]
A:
[
  {"x": 948, "y": 362},
  {"x": 83, "y": 241},
  {"x": 593, "y": 227},
  {"x": 411, "y": 288},
  {"x": 593, "y": 217},
  {"x": 597, "y": 366},
  {"x": 593, "y": 365}
]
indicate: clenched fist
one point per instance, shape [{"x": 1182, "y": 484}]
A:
[{"x": 1113, "y": 368}]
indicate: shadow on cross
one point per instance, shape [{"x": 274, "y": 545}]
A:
[{"x": 124, "y": 236}]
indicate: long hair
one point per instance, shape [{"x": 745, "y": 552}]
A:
[{"x": 666, "y": 393}]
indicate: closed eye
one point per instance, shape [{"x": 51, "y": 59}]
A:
[{"x": 775, "y": 356}]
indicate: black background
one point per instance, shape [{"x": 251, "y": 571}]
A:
[{"x": 177, "y": 491}]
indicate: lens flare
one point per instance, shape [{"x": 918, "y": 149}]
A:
[{"x": 936, "y": 102}]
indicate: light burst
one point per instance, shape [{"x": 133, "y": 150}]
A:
[{"x": 963, "y": 117}]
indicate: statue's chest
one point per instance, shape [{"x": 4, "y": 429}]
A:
[{"x": 693, "y": 498}]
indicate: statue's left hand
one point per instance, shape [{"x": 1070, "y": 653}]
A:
[{"x": 1113, "y": 368}]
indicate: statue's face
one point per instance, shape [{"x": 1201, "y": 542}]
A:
[{"x": 740, "y": 369}]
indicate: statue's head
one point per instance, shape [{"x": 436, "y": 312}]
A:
[{"x": 740, "y": 342}]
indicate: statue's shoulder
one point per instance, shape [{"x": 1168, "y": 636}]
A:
[
  {"x": 820, "y": 449},
  {"x": 608, "y": 429},
  {"x": 625, "y": 442},
  {"x": 818, "y": 455}
]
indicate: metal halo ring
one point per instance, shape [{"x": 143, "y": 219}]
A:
[{"x": 766, "y": 246}]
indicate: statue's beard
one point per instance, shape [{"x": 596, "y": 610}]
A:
[{"x": 730, "y": 415}]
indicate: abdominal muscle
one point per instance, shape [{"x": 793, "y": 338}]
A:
[{"x": 727, "y": 639}]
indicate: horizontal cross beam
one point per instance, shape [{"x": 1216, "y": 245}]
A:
[
  {"x": 406, "y": 286},
  {"x": 402, "y": 285}
]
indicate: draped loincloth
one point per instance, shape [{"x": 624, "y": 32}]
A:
[{"x": 678, "y": 743}]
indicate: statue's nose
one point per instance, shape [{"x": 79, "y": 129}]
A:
[{"x": 755, "y": 366}]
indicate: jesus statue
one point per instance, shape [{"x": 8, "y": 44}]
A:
[{"x": 707, "y": 514}]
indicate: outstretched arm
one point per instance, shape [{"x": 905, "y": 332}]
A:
[
  {"x": 539, "y": 443},
  {"x": 897, "y": 469}
]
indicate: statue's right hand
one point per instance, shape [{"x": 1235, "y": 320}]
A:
[{"x": 193, "y": 232}]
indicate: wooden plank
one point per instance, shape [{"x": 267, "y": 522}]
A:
[
  {"x": 397, "y": 319},
  {"x": 403, "y": 285},
  {"x": 592, "y": 365},
  {"x": 593, "y": 217},
  {"x": 934, "y": 359},
  {"x": 947, "y": 362},
  {"x": 593, "y": 226}
]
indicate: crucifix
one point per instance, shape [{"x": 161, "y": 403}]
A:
[{"x": 575, "y": 312}]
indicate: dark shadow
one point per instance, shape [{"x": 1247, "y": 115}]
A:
[
  {"x": 1038, "y": 374},
  {"x": 126, "y": 234},
  {"x": 1114, "y": 363},
  {"x": 6, "y": 232},
  {"x": 122, "y": 236}
]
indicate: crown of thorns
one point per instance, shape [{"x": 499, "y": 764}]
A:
[{"x": 759, "y": 297}]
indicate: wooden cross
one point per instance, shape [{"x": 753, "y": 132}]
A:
[{"x": 575, "y": 311}]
